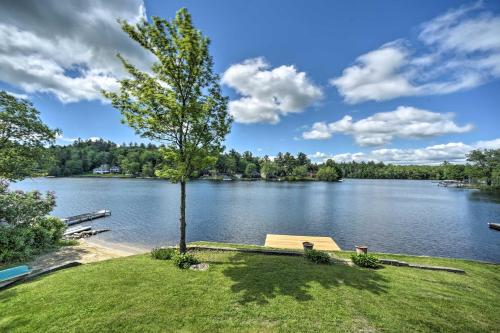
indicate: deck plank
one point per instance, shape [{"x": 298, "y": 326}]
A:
[{"x": 295, "y": 242}]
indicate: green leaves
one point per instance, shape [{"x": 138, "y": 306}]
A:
[
  {"x": 179, "y": 101},
  {"x": 24, "y": 208},
  {"x": 23, "y": 138},
  {"x": 486, "y": 162},
  {"x": 328, "y": 173}
]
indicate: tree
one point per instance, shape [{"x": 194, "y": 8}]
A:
[
  {"x": 328, "y": 173},
  {"x": 487, "y": 160},
  {"x": 268, "y": 169},
  {"x": 250, "y": 170},
  {"x": 453, "y": 171},
  {"x": 25, "y": 228},
  {"x": 302, "y": 159},
  {"x": 300, "y": 171},
  {"x": 23, "y": 138},
  {"x": 179, "y": 103}
]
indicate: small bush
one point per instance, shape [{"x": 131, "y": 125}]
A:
[
  {"x": 68, "y": 242},
  {"x": 162, "y": 253},
  {"x": 25, "y": 228},
  {"x": 47, "y": 232},
  {"x": 318, "y": 257},
  {"x": 365, "y": 260},
  {"x": 21, "y": 242},
  {"x": 184, "y": 260}
]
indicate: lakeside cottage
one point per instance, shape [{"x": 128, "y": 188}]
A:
[{"x": 105, "y": 169}]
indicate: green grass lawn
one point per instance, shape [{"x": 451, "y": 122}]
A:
[{"x": 247, "y": 292}]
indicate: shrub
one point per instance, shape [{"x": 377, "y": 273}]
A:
[
  {"x": 19, "y": 242},
  {"x": 328, "y": 173},
  {"x": 15, "y": 243},
  {"x": 365, "y": 260},
  {"x": 162, "y": 253},
  {"x": 68, "y": 242},
  {"x": 184, "y": 260},
  {"x": 47, "y": 232},
  {"x": 25, "y": 228},
  {"x": 318, "y": 257}
]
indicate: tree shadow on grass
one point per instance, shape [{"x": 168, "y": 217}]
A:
[
  {"x": 10, "y": 323},
  {"x": 262, "y": 277}
]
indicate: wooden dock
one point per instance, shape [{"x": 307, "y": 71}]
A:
[
  {"x": 86, "y": 217},
  {"x": 295, "y": 242}
]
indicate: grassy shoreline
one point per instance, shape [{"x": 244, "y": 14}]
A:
[{"x": 251, "y": 292}]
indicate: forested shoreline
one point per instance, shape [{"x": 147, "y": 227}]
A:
[{"x": 143, "y": 160}]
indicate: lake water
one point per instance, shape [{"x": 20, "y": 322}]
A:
[{"x": 396, "y": 216}]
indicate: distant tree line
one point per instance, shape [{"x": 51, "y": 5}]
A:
[
  {"x": 83, "y": 157},
  {"x": 143, "y": 160}
]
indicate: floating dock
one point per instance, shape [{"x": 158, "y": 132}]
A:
[
  {"x": 76, "y": 230},
  {"x": 495, "y": 226},
  {"x": 86, "y": 217},
  {"x": 295, "y": 242},
  {"x": 451, "y": 183}
]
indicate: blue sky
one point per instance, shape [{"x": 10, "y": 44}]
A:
[{"x": 394, "y": 81}]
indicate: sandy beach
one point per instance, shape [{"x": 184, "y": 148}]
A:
[{"x": 86, "y": 251}]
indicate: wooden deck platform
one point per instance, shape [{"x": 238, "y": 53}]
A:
[{"x": 295, "y": 242}]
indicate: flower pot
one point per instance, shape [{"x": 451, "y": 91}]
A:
[
  {"x": 307, "y": 246},
  {"x": 361, "y": 249}
]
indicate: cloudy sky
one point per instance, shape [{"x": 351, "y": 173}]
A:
[{"x": 393, "y": 81}]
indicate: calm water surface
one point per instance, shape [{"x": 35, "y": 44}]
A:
[{"x": 397, "y": 216}]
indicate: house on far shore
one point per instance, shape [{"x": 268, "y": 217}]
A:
[
  {"x": 115, "y": 169},
  {"x": 103, "y": 169}
]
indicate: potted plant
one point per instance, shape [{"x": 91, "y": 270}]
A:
[
  {"x": 361, "y": 249},
  {"x": 307, "y": 245}
]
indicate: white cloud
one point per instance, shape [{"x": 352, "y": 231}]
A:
[
  {"x": 462, "y": 52},
  {"x": 453, "y": 152},
  {"x": 454, "y": 31},
  {"x": 490, "y": 144},
  {"x": 61, "y": 139},
  {"x": 376, "y": 76},
  {"x": 16, "y": 95},
  {"x": 268, "y": 94},
  {"x": 381, "y": 128},
  {"x": 67, "y": 48}
]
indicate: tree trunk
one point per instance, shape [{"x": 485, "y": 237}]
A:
[{"x": 182, "y": 242}]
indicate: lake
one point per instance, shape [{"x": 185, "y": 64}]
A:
[{"x": 396, "y": 216}]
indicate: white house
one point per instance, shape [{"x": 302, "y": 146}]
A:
[{"x": 103, "y": 169}]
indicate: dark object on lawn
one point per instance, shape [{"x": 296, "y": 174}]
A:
[
  {"x": 365, "y": 260},
  {"x": 318, "y": 257},
  {"x": 361, "y": 249},
  {"x": 399, "y": 263},
  {"x": 163, "y": 253},
  {"x": 495, "y": 226},
  {"x": 307, "y": 245}
]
